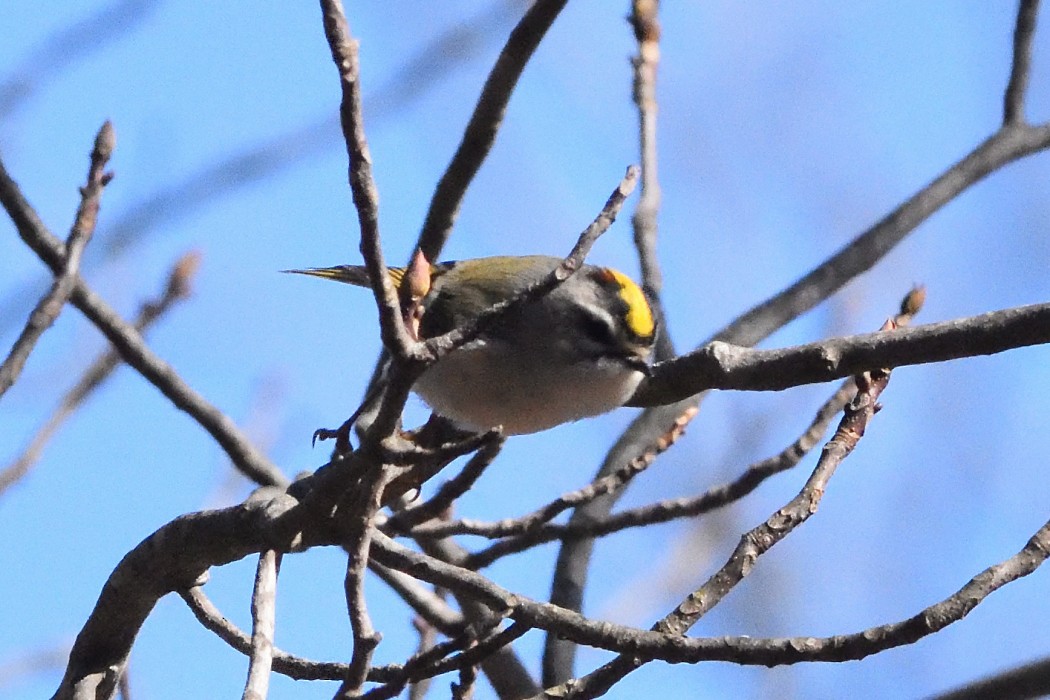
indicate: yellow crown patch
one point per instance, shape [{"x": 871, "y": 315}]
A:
[{"x": 639, "y": 316}]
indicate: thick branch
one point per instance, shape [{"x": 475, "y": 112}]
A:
[
  {"x": 723, "y": 366},
  {"x": 175, "y": 556}
]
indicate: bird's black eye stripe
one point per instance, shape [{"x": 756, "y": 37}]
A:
[{"x": 598, "y": 330}]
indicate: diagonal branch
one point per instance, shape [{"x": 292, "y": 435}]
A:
[
  {"x": 1009, "y": 143},
  {"x": 129, "y": 343},
  {"x": 547, "y": 512},
  {"x": 1013, "y": 101},
  {"x": 457, "y": 337},
  {"x": 754, "y": 543},
  {"x": 50, "y": 306},
  {"x": 176, "y": 289},
  {"x": 666, "y": 511},
  {"x": 484, "y": 124}
]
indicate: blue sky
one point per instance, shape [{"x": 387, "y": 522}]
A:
[{"x": 785, "y": 130}]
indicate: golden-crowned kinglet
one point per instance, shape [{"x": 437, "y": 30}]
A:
[{"x": 578, "y": 351}]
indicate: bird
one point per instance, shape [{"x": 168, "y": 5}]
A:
[{"x": 579, "y": 351}]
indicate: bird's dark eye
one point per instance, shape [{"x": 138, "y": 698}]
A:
[{"x": 597, "y": 330}]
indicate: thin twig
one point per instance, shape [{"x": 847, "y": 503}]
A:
[
  {"x": 295, "y": 667},
  {"x": 532, "y": 521},
  {"x": 484, "y": 124},
  {"x": 416, "y": 666},
  {"x": 443, "y": 344},
  {"x": 646, "y": 25},
  {"x": 673, "y": 509},
  {"x": 396, "y": 338},
  {"x": 362, "y": 185},
  {"x": 361, "y": 516},
  {"x": 1020, "y": 70},
  {"x": 403, "y": 521},
  {"x": 753, "y": 544},
  {"x": 244, "y": 455},
  {"x": 438, "y": 659},
  {"x": 50, "y": 306},
  {"x": 264, "y": 607},
  {"x": 428, "y": 605},
  {"x": 176, "y": 289},
  {"x": 504, "y": 669}
]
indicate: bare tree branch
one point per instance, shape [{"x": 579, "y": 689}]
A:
[
  {"x": 1031, "y": 680},
  {"x": 484, "y": 124},
  {"x": 723, "y": 366},
  {"x": 665, "y": 511},
  {"x": 129, "y": 343},
  {"x": 404, "y": 520},
  {"x": 529, "y": 523},
  {"x": 51, "y": 305},
  {"x": 1013, "y": 101},
  {"x": 646, "y": 25},
  {"x": 176, "y": 289},
  {"x": 264, "y": 610},
  {"x": 508, "y": 675},
  {"x": 286, "y": 664},
  {"x": 362, "y": 185},
  {"x": 754, "y": 543},
  {"x": 358, "y": 538},
  {"x": 438, "y": 659},
  {"x": 174, "y": 557}
]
